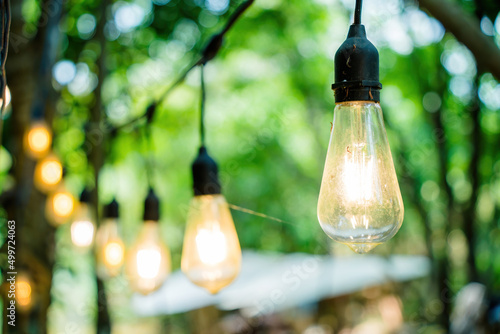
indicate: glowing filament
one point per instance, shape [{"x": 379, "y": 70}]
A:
[
  {"x": 211, "y": 246},
  {"x": 82, "y": 233},
  {"x": 148, "y": 263}
]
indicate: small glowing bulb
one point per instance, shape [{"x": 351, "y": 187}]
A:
[
  {"x": 37, "y": 140},
  {"x": 23, "y": 292},
  {"x": 8, "y": 97},
  {"x": 48, "y": 173},
  {"x": 148, "y": 261},
  {"x": 82, "y": 228},
  {"x": 211, "y": 255},
  {"x": 59, "y": 207},
  {"x": 360, "y": 202},
  {"x": 110, "y": 249}
]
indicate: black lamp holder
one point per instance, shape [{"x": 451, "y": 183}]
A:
[
  {"x": 357, "y": 66},
  {"x": 151, "y": 207},
  {"x": 111, "y": 210},
  {"x": 205, "y": 174}
]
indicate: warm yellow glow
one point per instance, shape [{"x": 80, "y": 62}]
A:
[
  {"x": 110, "y": 249},
  {"x": 82, "y": 228},
  {"x": 37, "y": 140},
  {"x": 211, "y": 255},
  {"x": 59, "y": 207},
  {"x": 360, "y": 202},
  {"x": 23, "y": 292},
  {"x": 148, "y": 261},
  {"x": 48, "y": 173},
  {"x": 113, "y": 253},
  {"x": 8, "y": 97},
  {"x": 211, "y": 245}
]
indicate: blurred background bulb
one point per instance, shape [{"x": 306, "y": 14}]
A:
[
  {"x": 211, "y": 255},
  {"x": 148, "y": 261},
  {"x": 83, "y": 226},
  {"x": 24, "y": 293},
  {"x": 37, "y": 140},
  {"x": 109, "y": 245},
  {"x": 7, "y": 98},
  {"x": 360, "y": 202},
  {"x": 48, "y": 173},
  {"x": 59, "y": 206}
]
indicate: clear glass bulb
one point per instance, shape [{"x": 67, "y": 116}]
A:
[
  {"x": 59, "y": 206},
  {"x": 48, "y": 173},
  {"x": 211, "y": 255},
  {"x": 360, "y": 203},
  {"x": 110, "y": 249},
  {"x": 148, "y": 261},
  {"x": 83, "y": 228}
]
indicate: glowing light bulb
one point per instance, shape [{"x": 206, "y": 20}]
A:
[
  {"x": 82, "y": 228},
  {"x": 48, "y": 173},
  {"x": 110, "y": 249},
  {"x": 37, "y": 140},
  {"x": 360, "y": 202},
  {"x": 24, "y": 292},
  {"x": 148, "y": 261},
  {"x": 8, "y": 97},
  {"x": 59, "y": 207},
  {"x": 211, "y": 255}
]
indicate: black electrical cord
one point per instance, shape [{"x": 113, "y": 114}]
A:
[
  {"x": 6, "y": 20},
  {"x": 357, "y": 12},
  {"x": 202, "y": 106}
]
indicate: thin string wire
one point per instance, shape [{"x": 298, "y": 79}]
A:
[
  {"x": 357, "y": 12},
  {"x": 202, "y": 106},
  {"x": 258, "y": 214},
  {"x": 6, "y": 20},
  {"x": 148, "y": 147}
]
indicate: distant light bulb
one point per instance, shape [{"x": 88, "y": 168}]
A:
[
  {"x": 37, "y": 140},
  {"x": 48, "y": 173},
  {"x": 360, "y": 203},
  {"x": 110, "y": 249},
  {"x": 82, "y": 228},
  {"x": 8, "y": 97},
  {"x": 59, "y": 207},
  {"x": 148, "y": 261},
  {"x": 24, "y": 292},
  {"x": 211, "y": 255}
]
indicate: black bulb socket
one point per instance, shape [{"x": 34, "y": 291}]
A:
[
  {"x": 111, "y": 210},
  {"x": 151, "y": 207},
  {"x": 357, "y": 68},
  {"x": 85, "y": 196},
  {"x": 205, "y": 174}
]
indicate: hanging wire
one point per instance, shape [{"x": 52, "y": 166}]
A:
[
  {"x": 148, "y": 144},
  {"x": 202, "y": 105},
  {"x": 208, "y": 53},
  {"x": 258, "y": 214},
  {"x": 4, "y": 48},
  {"x": 357, "y": 12}
]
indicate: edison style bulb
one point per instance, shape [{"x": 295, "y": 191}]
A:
[
  {"x": 360, "y": 203},
  {"x": 24, "y": 293},
  {"x": 211, "y": 255},
  {"x": 60, "y": 206},
  {"x": 83, "y": 227},
  {"x": 37, "y": 140},
  {"x": 48, "y": 173},
  {"x": 109, "y": 245},
  {"x": 148, "y": 261}
]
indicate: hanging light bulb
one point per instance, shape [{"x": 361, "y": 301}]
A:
[
  {"x": 37, "y": 140},
  {"x": 109, "y": 245},
  {"x": 360, "y": 202},
  {"x": 48, "y": 173},
  {"x": 24, "y": 292},
  {"x": 60, "y": 206},
  {"x": 211, "y": 254},
  {"x": 7, "y": 99},
  {"x": 83, "y": 226},
  {"x": 148, "y": 261}
]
